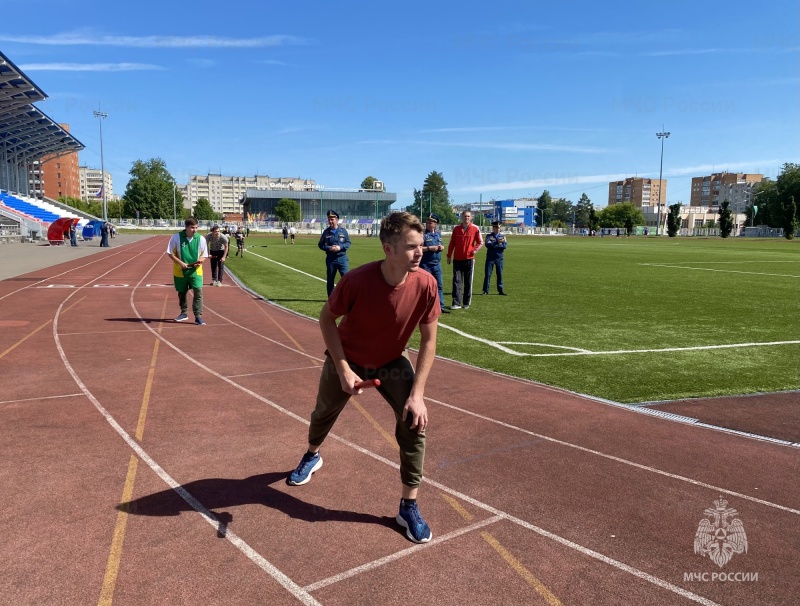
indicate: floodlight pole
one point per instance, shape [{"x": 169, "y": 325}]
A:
[
  {"x": 174, "y": 207},
  {"x": 102, "y": 116},
  {"x": 662, "y": 135}
]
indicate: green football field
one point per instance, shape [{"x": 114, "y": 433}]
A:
[{"x": 627, "y": 319}]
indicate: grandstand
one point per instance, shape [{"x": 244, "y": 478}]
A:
[{"x": 27, "y": 135}]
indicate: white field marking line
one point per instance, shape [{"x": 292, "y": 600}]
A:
[
  {"x": 292, "y": 587},
  {"x": 617, "y": 459},
  {"x": 585, "y": 352},
  {"x": 287, "y": 266},
  {"x": 727, "y": 271},
  {"x": 542, "y": 345},
  {"x": 32, "y": 285},
  {"x": 66, "y": 395},
  {"x": 400, "y": 554},
  {"x": 100, "y": 332},
  {"x": 270, "y": 372},
  {"x": 605, "y": 559},
  {"x": 738, "y": 262}
]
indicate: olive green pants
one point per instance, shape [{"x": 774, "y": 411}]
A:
[
  {"x": 197, "y": 301},
  {"x": 397, "y": 378}
]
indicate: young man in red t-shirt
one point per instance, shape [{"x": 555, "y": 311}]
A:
[
  {"x": 382, "y": 302},
  {"x": 464, "y": 243}
]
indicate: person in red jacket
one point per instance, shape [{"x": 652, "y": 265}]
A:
[{"x": 464, "y": 243}]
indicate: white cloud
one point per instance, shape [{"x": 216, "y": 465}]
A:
[
  {"x": 88, "y": 67},
  {"x": 88, "y": 39},
  {"x": 495, "y": 145}
]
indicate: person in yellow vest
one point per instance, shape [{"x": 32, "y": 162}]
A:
[{"x": 188, "y": 250}]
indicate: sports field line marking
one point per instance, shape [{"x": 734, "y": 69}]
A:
[
  {"x": 738, "y": 262},
  {"x": 615, "y": 458},
  {"x": 66, "y": 395},
  {"x": 34, "y": 284},
  {"x": 398, "y": 555},
  {"x": 292, "y": 587},
  {"x": 586, "y": 352},
  {"x": 287, "y": 266},
  {"x": 727, "y": 271},
  {"x": 566, "y": 542}
]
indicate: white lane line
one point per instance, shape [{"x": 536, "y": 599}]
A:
[
  {"x": 727, "y": 271},
  {"x": 121, "y": 250},
  {"x": 586, "y": 551},
  {"x": 271, "y": 372},
  {"x": 66, "y": 395},
  {"x": 616, "y": 459},
  {"x": 586, "y": 352},
  {"x": 543, "y": 345},
  {"x": 400, "y": 554},
  {"x": 287, "y": 266}
]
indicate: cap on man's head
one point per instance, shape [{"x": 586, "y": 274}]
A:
[
  {"x": 433, "y": 217},
  {"x": 495, "y": 223},
  {"x": 333, "y": 213}
]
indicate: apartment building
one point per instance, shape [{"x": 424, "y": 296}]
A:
[
  {"x": 226, "y": 193},
  {"x": 91, "y": 182},
  {"x": 638, "y": 190},
  {"x": 56, "y": 176},
  {"x": 711, "y": 190}
]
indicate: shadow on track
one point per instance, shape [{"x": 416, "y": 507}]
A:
[{"x": 219, "y": 493}]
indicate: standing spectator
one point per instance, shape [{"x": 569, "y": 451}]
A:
[
  {"x": 292, "y": 233},
  {"x": 285, "y": 233},
  {"x": 239, "y": 235},
  {"x": 464, "y": 243},
  {"x": 432, "y": 248},
  {"x": 218, "y": 248},
  {"x": 188, "y": 250},
  {"x": 334, "y": 241},
  {"x": 73, "y": 232},
  {"x": 495, "y": 247},
  {"x": 383, "y": 303},
  {"x": 104, "y": 234}
]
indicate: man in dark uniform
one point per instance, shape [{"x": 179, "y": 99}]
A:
[
  {"x": 432, "y": 248},
  {"x": 334, "y": 241},
  {"x": 495, "y": 247}
]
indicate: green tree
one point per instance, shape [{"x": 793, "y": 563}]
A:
[
  {"x": 674, "y": 220},
  {"x": 582, "y": 211},
  {"x": 594, "y": 220},
  {"x": 203, "y": 211},
  {"x": 288, "y": 210},
  {"x": 150, "y": 191},
  {"x": 725, "y": 219},
  {"x": 616, "y": 215},
  {"x": 543, "y": 203},
  {"x": 561, "y": 211},
  {"x": 369, "y": 182},
  {"x": 789, "y": 218},
  {"x": 433, "y": 197}
]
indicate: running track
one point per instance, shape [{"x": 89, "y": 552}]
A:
[{"x": 143, "y": 462}]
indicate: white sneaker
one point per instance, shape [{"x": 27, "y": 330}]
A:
[{"x": 455, "y": 307}]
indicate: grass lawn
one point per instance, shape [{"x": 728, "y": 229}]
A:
[{"x": 594, "y": 315}]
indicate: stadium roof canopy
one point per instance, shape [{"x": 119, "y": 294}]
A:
[{"x": 26, "y": 131}]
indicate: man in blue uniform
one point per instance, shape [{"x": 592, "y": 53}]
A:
[
  {"x": 432, "y": 248},
  {"x": 334, "y": 241},
  {"x": 495, "y": 247}
]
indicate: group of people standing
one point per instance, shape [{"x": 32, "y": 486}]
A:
[
  {"x": 106, "y": 230},
  {"x": 464, "y": 243}
]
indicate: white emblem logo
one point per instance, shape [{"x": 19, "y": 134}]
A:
[{"x": 721, "y": 534}]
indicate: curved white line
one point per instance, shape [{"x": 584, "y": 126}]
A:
[{"x": 287, "y": 266}]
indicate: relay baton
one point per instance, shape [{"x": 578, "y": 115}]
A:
[{"x": 369, "y": 383}]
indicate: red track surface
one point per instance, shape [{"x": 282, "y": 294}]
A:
[{"x": 534, "y": 495}]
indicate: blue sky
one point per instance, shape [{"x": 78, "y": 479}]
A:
[{"x": 506, "y": 99}]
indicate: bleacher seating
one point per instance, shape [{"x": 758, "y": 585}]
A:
[{"x": 33, "y": 208}]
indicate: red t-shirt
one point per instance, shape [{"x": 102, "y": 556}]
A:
[{"x": 379, "y": 319}]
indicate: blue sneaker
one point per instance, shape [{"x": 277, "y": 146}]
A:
[
  {"x": 308, "y": 465},
  {"x": 182, "y": 318},
  {"x": 410, "y": 518},
  {"x": 199, "y": 321}
]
